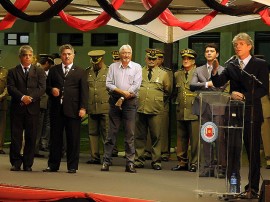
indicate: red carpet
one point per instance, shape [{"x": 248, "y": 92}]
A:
[{"x": 30, "y": 194}]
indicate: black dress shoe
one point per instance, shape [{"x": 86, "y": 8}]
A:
[
  {"x": 15, "y": 168},
  {"x": 93, "y": 161},
  {"x": 2, "y": 152},
  {"x": 50, "y": 170},
  {"x": 193, "y": 168},
  {"x": 156, "y": 166},
  {"x": 28, "y": 169},
  {"x": 180, "y": 168},
  {"x": 72, "y": 171},
  {"x": 105, "y": 167},
  {"x": 130, "y": 168}
]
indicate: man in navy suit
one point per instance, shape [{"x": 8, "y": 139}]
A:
[
  {"x": 242, "y": 88},
  {"x": 26, "y": 83},
  {"x": 68, "y": 92}
]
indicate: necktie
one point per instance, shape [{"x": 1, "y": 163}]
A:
[
  {"x": 25, "y": 71},
  {"x": 242, "y": 65},
  {"x": 66, "y": 71},
  {"x": 186, "y": 75},
  {"x": 149, "y": 74}
]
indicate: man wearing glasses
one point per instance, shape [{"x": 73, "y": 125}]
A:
[{"x": 155, "y": 86}]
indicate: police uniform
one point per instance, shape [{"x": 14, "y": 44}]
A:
[
  {"x": 150, "y": 112},
  {"x": 3, "y": 106},
  {"x": 98, "y": 106},
  {"x": 187, "y": 122}
]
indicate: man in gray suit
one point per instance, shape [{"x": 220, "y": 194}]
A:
[{"x": 201, "y": 82}]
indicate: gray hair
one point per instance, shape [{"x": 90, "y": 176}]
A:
[
  {"x": 126, "y": 46},
  {"x": 66, "y": 46},
  {"x": 24, "y": 49},
  {"x": 245, "y": 37}
]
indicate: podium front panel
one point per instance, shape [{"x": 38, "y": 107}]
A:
[{"x": 220, "y": 141}]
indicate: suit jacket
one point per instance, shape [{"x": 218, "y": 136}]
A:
[
  {"x": 201, "y": 76},
  {"x": 33, "y": 85},
  {"x": 73, "y": 89},
  {"x": 151, "y": 93},
  {"x": 98, "y": 102},
  {"x": 3, "y": 89},
  {"x": 241, "y": 82}
]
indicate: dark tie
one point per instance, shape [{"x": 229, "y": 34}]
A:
[
  {"x": 186, "y": 75},
  {"x": 149, "y": 74},
  {"x": 66, "y": 71},
  {"x": 25, "y": 71}
]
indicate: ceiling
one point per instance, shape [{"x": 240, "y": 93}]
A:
[
  {"x": 184, "y": 10},
  {"x": 76, "y": 7}
]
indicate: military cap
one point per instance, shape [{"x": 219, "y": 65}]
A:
[
  {"x": 160, "y": 53},
  {"x": 43, "y": 58},
  {"x": 115, "y": 55},
  {"x": 188, "y": 53},
  {"x": 96, "y": 55},
  {"x": 151, "y": 53}
]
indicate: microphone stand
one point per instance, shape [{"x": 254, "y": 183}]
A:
[{"x": 254, "y": 80}]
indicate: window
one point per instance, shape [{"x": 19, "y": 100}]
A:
[
  {"x": 72, "y": 39},
  {"x": 198, "y": 42},
  {"x": 262, "y": 43},
  {"x": 16, "y": 39},
  {"x": 104, "y": 39}
]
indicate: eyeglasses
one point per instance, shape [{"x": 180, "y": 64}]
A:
[{"x": 152, "y": 58}]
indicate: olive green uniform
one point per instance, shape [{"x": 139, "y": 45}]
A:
[
  {"x": 3, "y": 104},
  {"x": 98, "y": 109},
  {"x": 150, "y": 112},
  {"x": 187, "y": 123}
]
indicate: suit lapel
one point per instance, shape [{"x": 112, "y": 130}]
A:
[
  {"x": 205, "y": 72},
  {"x": 20, "y": 71}
]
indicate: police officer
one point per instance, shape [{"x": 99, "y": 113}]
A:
[
  {"x": 187, "y": 123},
  {"x": 3, "y": 106},
  {"x": 98, "y": 106},
  {"x": 155, "y": 85}
]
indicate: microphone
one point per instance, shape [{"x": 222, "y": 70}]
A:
[{"x": 231, "y": 59}]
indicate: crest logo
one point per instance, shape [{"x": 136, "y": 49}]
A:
[{"x": 209, "y": 132}]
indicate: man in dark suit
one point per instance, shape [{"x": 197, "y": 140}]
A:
[
  {"x": 68, "y": 92},
  {"x": 242, "y": 88},
  {"x": 26, "y": 83}
]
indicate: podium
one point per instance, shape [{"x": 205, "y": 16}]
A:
[{"x": 220, "y": 142}]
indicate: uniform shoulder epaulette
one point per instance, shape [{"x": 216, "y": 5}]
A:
[{"x": 165, "y": 68}]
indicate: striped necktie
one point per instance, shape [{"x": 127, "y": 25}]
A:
[
  {"x": 242, "y": 64},
  {"x": 66, "y": 71}
]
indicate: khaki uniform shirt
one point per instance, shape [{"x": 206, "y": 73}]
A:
[
  {"x": 185, "y": 98},
  {"x": 151, "y": 93},
  {"x": 98, "y": 102},
  {"x": 3, "y": 88}
]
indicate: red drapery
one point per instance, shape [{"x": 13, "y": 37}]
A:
[{"x": 166, "y": 17}]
